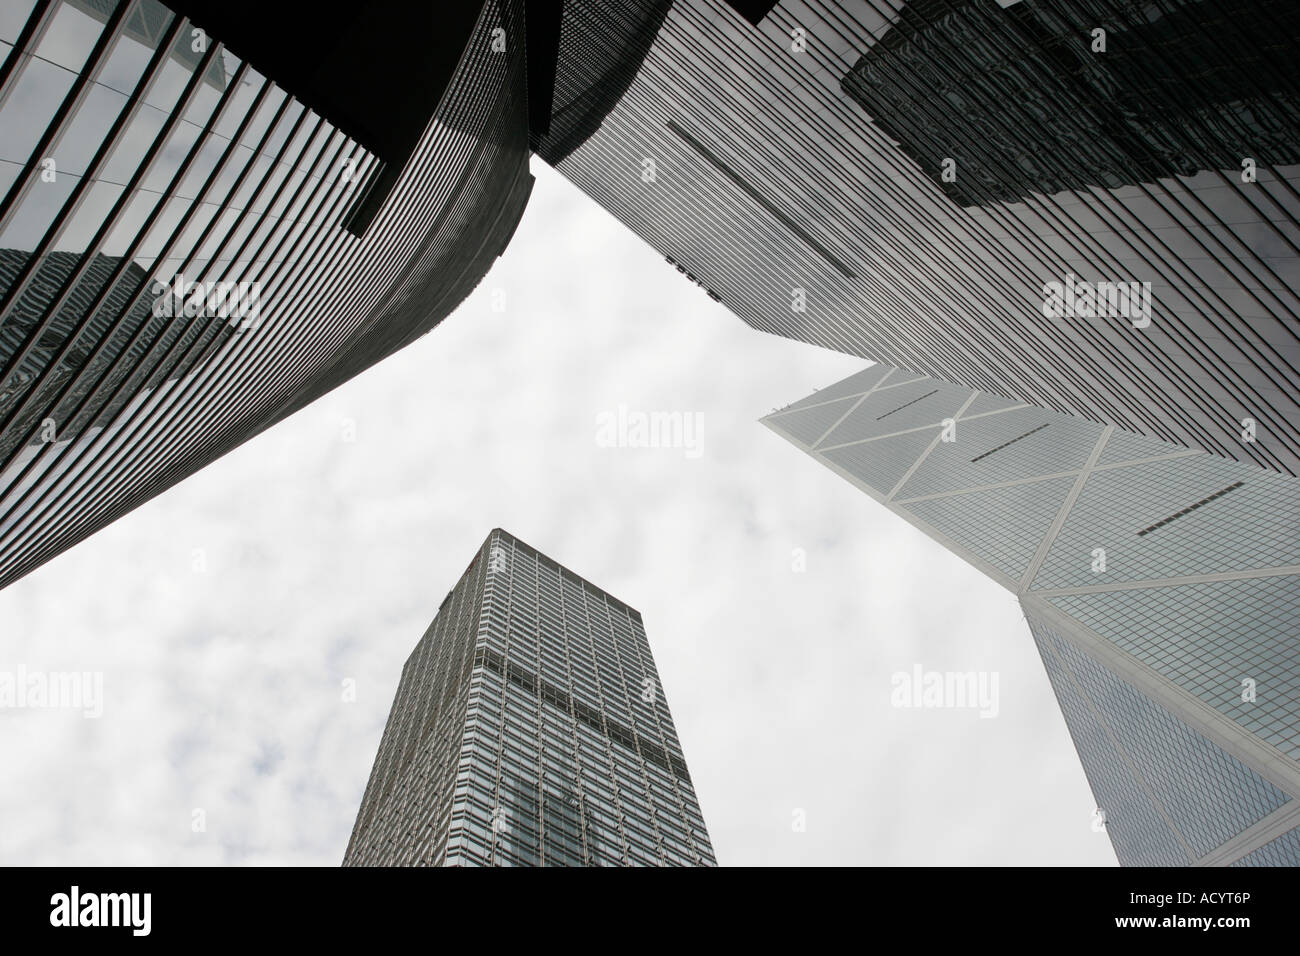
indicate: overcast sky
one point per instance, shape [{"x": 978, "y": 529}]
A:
[{"x": 226, "y": 614}]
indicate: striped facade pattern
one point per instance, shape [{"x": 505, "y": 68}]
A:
[
  {"x": 174, "y": 164},
  {"x": 530, "y": 728},
  {"x": 750, "y": 158},
  {"x": 45, "y": 284}
]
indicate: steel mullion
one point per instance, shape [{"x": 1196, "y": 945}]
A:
[
  {"x": 72, "y": 102},
  {"x": 71, "y": 207},
  {"x": 81, "y": 479},
  {"x": 38, "y": 21},
  {"x": 247, "y": 211},
  {"x": 80, "y": 489},
  {"x": 128, "y": 256}
]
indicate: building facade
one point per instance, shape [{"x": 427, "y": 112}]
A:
[
  {"x": 942, "y": 185},
  {"x": 203, "y": 229},
  {"x": 530, "y": 728},
  {"x": 1160, "y": 584}
]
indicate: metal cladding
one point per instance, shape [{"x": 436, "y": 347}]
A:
[
  {"x": 176, "y": 268},
  {"x": 1088, "y": 206}
]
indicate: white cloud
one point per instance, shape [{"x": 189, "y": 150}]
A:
[{"x": 325, "y": 561}]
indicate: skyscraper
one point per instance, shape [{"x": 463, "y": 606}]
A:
[
  {"x": 215, "y": 211},
  {"x": 1161, "y": 585},
  {"x": 529, "y": 728},
  {"x": 941, "y": 184}
]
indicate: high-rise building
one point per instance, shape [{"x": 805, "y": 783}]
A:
[
  {"x": 530, "y": 728},
  {"x": 1161, "y": 584},
  {"x": 214, "y": 211},
  {"x": 1090, "y": 206},
  {"x": 941, "y": 185}
]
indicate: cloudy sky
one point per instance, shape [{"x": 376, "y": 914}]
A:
[{"x": 226, "y": 614}]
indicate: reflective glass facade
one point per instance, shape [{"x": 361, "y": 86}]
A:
[
  {"x": 180, "y": 266},
  {"x": 903, "y": 180},
  {"x": 1161, "y": 584},
  {"x": 530, "y": 728}
]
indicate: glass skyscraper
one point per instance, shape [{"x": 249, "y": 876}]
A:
[
  {"x": 1161, "y": 585},
  {"x": 905, "y": 180},
  {"x": 530, "y": 728},
  {"x": 212, "y": 213}
]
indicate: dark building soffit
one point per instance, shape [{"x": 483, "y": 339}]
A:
[
  {"x": 542, "y": 20},
  {"x": 752, "y": 10},
  {"x": 376, "y": 71}
]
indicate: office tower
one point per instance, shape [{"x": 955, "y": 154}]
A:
[
  {"x": 529, "y": 728},
  {"x": 905, "y": 181},
  {"x": 211, "y": 213},
  {"x": 1161, "y": 585}
]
